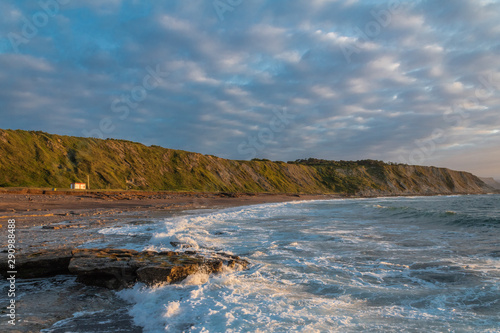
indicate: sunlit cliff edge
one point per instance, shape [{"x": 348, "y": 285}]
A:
[{"x": 38, "y": 159}]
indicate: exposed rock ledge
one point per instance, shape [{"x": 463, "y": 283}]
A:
[{"x": 120, "y": 268}]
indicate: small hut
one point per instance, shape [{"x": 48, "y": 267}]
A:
[{"x": 78, "y": 186}]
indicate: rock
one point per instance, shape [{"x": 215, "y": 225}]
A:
[
  {"x": 228, "y": 195},
  {"x": 156, "y": 274},
  {"x": 62, "y": 226},
  {"x": 121, "y": 268},
  {"x": 40, "y": 264},
  {"x": 181, "y": 245},
  {"x": 108, "y": 268}
]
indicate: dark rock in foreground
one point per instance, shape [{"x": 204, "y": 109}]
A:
[
  {"x": 44, "y": 263},
  {"x": 120, "y": 268}
]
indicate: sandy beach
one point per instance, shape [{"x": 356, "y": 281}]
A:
[
  {"x": 71, "y": 217},
  {"x": 35, "y": 208}
]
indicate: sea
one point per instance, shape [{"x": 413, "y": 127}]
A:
[{"x": 396, "y": 264}]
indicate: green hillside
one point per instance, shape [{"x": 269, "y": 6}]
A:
[{"x": 38, "y": 159}]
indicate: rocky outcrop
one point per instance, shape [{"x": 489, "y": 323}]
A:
[
  {"x": 40, "y": 264},
  {"x": 121, "y": 268}
]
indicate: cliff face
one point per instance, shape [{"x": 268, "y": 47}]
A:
[
  {"x": 491, "y": 182},
  {"x": 37, "y": 159}
]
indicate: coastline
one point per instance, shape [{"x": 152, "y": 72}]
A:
[
  {"x": 48, "y": 221},
  {"x": 59, "y": 220},
  {"x": 68, "y": 219},
  {"x": 39, "y": 209}
]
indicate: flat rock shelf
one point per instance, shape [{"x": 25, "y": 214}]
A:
[{"x": 121, "y": 268}]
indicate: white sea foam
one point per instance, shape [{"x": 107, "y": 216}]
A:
[
  {"x": 123, "y": 230},
  {"x": 171, "y": 309},
  {"x": 196, "y": 279},
  {"x": 328, "y": 266}
]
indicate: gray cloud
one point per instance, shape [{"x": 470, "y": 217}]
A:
[{"x": 429, "y": 66}]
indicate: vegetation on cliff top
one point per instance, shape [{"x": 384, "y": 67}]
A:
[{"x": 38, "y": 159}]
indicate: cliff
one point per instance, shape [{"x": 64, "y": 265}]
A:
[
  {"x": 38, "y": 159},
  {"x": 491, "y": 182}
]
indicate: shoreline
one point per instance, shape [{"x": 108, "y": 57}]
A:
[
  {"x": 46, "y": 221},
  {"x": 31, "y": 210},
  {"x": 38, "y": 207},
  {"x": 58, "y": 222}
]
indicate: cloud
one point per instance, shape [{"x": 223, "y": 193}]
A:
[{"x": 422, "y": 67}]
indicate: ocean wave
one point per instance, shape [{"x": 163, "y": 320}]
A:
[{"x": 391, "y": 264}]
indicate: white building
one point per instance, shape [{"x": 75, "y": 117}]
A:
[{"x": 78, "y": 186}]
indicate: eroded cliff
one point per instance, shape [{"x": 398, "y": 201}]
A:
[{"x": 38, "y": 159}]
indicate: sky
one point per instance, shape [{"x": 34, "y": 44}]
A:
[{"x": 415, "y": 82}]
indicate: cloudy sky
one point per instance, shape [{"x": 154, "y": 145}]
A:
[{"x": 404, "y": 81}]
